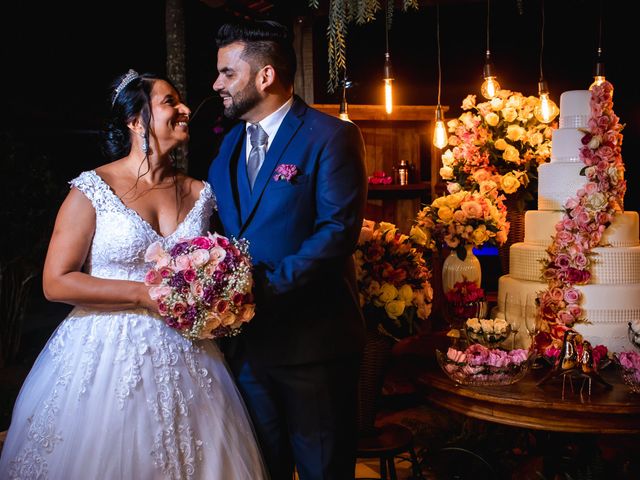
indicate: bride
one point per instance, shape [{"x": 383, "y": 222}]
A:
[{"x": 115, "y": 393}]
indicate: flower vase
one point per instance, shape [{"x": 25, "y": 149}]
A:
[{"x": 455, "y": 270}]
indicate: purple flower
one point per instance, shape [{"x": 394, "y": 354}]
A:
[
  {"x": 286, "y": 172},
  {"x": 179, "y": 249}
]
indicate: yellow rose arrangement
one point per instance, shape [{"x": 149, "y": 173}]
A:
[
  {"x": 497, "y": 144},
  {"x": 464, "y": 218},
  {"x": 393, "y": 278}
]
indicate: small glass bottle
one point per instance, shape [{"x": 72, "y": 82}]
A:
[{"x": 403, "y": 173}]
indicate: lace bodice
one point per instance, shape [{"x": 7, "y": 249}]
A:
[{"x": 122, "y": 236}]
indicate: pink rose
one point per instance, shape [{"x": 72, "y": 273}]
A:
[
  {"x": 182, "y": 262},
  {"x": 202, "y": 243},
  {"x": 580, "y": 260},
  {"x": 189, "y": 275},
  {"x": 159, "y": 292},
  {"x": 556, "y": 294},
  {"x": 152, "y": 278},
  {"x": 178, "y": 309},
  {"x": 591, "y": 188},
  {"x": 165, "y": 272},
  {"x": 565, "y": 317},
  {"x": 571, "y": 295},
  {"x": 154, "y": 252},
  {"x": 197, "y": 290},
  {"x": 456, "y": 355},
  {"x": 199, "y": 257}
]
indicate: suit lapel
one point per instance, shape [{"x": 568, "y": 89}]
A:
[
  {"x": 288, "y": 128},
  {"x": 227, "y": 185}
]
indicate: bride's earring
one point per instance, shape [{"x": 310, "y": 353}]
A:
[{"x": 145, "y": 144}]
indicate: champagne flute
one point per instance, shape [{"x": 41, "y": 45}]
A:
[
  {"x": 531, "y": 316},
  {"x": 512, "y": 314}
]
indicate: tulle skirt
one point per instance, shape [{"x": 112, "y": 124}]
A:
[{"x": 122, "y": 396}]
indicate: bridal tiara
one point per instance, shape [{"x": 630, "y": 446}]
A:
[{"x": 128, "y": 78}]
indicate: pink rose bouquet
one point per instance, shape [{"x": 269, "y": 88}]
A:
[{"x": 202, "y": 285}]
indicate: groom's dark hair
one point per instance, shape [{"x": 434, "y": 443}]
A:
[{"x": 265, "y": 43}]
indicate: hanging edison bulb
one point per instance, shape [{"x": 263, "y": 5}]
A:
[
  {"x": 440, "y": 138},
  {"x": 490, "y": 86},
  {"x": 545, "y": 110},
  {"x": 598, "y": 73},
  {"x": 388, "y": 93}
]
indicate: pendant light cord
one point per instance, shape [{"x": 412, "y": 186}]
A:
[
  {"x": 541, "y": 40},
  {"x": 386, "y": 29},
  {"x": 488, "y": 29},
  {"x": 600, "y": 30},
  {"x": 438, "y": 44}
]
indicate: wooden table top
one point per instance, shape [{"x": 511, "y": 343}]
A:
[{"x": 526, "y": 405}]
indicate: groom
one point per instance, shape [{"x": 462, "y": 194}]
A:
[{"x": 292, "y": 181}]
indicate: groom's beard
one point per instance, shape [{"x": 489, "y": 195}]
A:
[{"x": 243, "y": 101}]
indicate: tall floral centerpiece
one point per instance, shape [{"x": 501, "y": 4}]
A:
[
  {"x": 393, "y": 278},
  {"x": 498, "y": 144},
  {"x": 587, "y": 215},
  {"x": 461, "y": 221}
]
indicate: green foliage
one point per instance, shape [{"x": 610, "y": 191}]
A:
[{"x": 343, "y": 12}]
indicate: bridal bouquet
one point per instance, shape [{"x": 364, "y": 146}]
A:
[
  {"x": 496, "y": 144},
  {"x": 202, "y": 285},
  {"x": 393, "y": 278},
  {"x": 463, "y": 218}
]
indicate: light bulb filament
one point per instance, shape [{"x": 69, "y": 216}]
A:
[
  {"x": 489, "y": 87},
  {"x": 388, "y": 95},
  {"x": 440, "y": 139}
]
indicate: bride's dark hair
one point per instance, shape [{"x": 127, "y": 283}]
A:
[{"x": 128, "y": 99}]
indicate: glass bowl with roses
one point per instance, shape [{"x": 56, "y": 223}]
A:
[
  {"x": 478, "y": 365},
  {"x": 393, "y": 279}
]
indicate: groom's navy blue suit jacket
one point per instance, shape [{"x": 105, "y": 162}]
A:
[{"x": 301, "y": 233}]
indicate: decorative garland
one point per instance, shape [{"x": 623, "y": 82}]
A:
[{"x": 586, "y": 217}]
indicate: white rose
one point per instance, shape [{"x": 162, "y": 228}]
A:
[{"x": 446, "y": 173}]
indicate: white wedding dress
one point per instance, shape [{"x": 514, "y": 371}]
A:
[{"x": 120, "y": 395}]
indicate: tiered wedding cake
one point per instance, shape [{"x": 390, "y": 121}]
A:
[{"x": 612, "y": 297}]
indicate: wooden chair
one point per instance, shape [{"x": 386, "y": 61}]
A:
[{"x": 388, "y": 441}]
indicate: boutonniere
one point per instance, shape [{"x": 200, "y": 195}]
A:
[{"x": 286, "y": 172}]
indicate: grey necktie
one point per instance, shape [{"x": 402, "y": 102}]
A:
[{"x": 258, "y": 138}]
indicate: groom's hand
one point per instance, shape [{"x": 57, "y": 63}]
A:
[{"x": 262, "y": 289}]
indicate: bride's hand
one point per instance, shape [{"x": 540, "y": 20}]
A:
[{"x": 145, "y": 299}]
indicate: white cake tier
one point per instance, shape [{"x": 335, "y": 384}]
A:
[
  {"x": 609, "y": 308},
  {"x": 557, "y": 182},
  {"x": 609, "y": 265},
  {"x": 575, "y": 109},
  {"x": 565, "y": 146},
  {"x": 539, "y": 228}
]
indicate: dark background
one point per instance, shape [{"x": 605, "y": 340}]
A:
[{"x": 58, "y": 59}]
